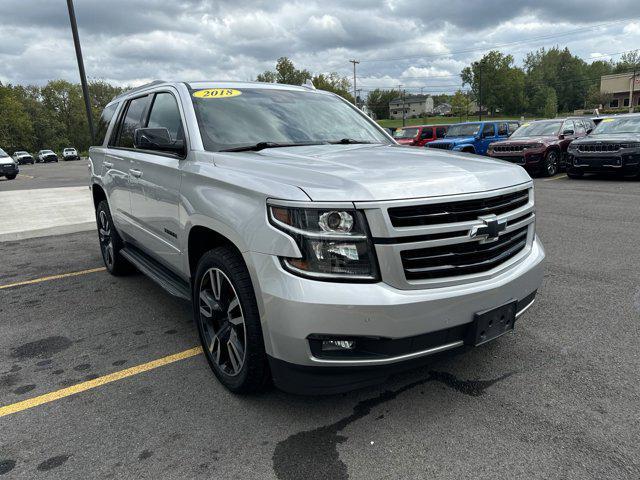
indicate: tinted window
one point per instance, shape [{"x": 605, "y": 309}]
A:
[
  {"x": 165, "y": 114},
  {"x": 502, "y": 129},
  {"x": 568, "y": 125},
  {"x": 489, "y": 130},
  {"x": 441, "y": 132},
  {"x": 103, "y": 123},
  {"x": 132, "y": 121},
  {"x": 426, "y": 133}
]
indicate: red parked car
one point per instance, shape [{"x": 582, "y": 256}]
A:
[{"x": 419, "y": 135}]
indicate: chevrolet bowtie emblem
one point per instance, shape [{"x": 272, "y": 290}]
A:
[{"x": 490, "y": 231}]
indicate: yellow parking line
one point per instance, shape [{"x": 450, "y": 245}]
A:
[
  {"x": 97, "y": 382},
  {"x": 556, "y": 178},
  {"x": 52, "y": 277}
]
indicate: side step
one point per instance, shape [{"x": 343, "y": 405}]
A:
[{"x": 157, "y": 272}]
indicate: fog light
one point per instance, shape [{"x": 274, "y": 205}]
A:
[{"x": 337, "y": 345}]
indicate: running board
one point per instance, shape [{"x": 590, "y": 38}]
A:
[{"x": 157, "y": 272}]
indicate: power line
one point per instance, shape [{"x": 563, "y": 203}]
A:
[{"x": 500, "y": 45}]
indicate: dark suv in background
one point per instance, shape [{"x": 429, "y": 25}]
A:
[
  {"x": 612, "y": 147},
  {"x": 541, "y": 146}
]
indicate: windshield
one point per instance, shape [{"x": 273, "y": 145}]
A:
[
  {"x": 249, "y": 116},
  {"x": 69, "y": 150},
  {"x": 463, "y": 130},
  {"x": 3, "y": 153},
  {"x": 405, "y": 133},
  {"x": 618, "y": 125},
  {"x": 21, "y": 153},
  {"x": 537, "y": 129},
  {"x": 45, "y": 151}
]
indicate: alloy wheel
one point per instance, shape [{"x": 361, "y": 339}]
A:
[
  {"x": 106, "y": 239},
  {"x": 222, "y": 322},
  {"x": 552, "y": 164}
]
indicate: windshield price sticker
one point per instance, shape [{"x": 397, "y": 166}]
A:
[
  {"x": 217, "y": 93},
  {"x": 607, "y": 120}
]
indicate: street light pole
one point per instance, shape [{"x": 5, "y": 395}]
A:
[
  {"x": 83, "y": 77},
  {"x": 355, "y": 101}
]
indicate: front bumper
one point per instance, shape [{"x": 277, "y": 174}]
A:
[
  {"x": 620, "y": 163},
  {"x": 294, "y": 308},
  {"x": 529, "y": 159},
  {"x": 8, "y": 169}
]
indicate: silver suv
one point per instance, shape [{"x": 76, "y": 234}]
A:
[{"x": 314, "y": 249}]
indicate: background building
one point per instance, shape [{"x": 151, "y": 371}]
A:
[
  {"x": 620, "y": 86},
  {"x": 414, "y": 106}
]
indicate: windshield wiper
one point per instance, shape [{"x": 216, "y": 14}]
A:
[
  {"x": 347, "y": 141},
  {"x": 255, "y": 147}
]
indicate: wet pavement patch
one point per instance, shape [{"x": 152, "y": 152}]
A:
[
  {"x": 9, "y": 380},
  {"x": 82, "y": 367},
  {"x": 44, "y": 348},
  {"x": 145, "y": 454},
  {"x": 53, "y": 462},
  {"x": 24, "y": 389},
  {"x": 300, "y": 455},
  {"x": 6, "y": 466}
]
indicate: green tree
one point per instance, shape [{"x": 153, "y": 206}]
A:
[
  {"x": 335, "y": 83},
  {"x": 628, "y": 62},
  {"x": 16, "y": 129},
  {"x": 501, "y": 82},
  {"x": 461, "y": 104},
  {"x": 551, "y": 104},
  {"x": 378, "y": 101},
  {"x": 285, "y": 72}
]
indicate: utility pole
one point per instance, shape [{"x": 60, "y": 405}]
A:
[
  {"x": 83, "y": 77},
  {"x": 480, "y": 91},
  {"x": 631, "y": 90},
  {"x": 355, "y": 62},
  {"x": 404, "y": 115}
]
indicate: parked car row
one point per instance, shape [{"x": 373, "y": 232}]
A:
[
  {"x": 8, "y": 166},
  {"x": 576, "y": 145},
  {"x": 23, "y": 157}
]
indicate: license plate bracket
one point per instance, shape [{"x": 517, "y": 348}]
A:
[{"x": 491, "y": 324}]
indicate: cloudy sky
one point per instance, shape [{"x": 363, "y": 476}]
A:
[{"x": 416, "y": 43}]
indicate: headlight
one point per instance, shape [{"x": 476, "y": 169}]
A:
[{"x": 334, "y": 243}]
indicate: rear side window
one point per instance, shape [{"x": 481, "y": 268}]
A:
[
  {"x": 513, "y": 126},
  {"x": 441, "y": 132},
  {"x": 103, "y": 123},
  {"x": 489, "y": 130},
  {"x": 165, "y": 114},
  {"x": 426, "y": 133},
  {"x": 131, "y": 121}
]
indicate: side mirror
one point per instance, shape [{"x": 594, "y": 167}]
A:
[
  {"x": 567, "y": 132},
  {"x": 157, "y": 139},
  {"x": 589, "y": 130}
]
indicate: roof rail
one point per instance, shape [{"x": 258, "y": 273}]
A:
[{"x": 141, "y": 87}]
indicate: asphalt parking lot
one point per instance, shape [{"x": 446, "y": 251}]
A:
[
  {"x": 558, "y": 398},
  {"x": 48, "y": 175}
]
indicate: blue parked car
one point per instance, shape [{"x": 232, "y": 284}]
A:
[{"x": 475, "y": 137}]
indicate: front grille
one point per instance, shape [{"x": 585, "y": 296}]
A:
[
  {"x": 511, "y": 147},
  {"x": 461, "y": 211},
  {"x": 462, "y": 258},
  {"x": 597, "y": 161},
  {"x": 441, "y": 145},
  {"x": 599, "y": 147}
]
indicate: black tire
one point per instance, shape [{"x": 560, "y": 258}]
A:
[
  {"x": 110, "y": 242},
  {"x": 253, "y": 375},
  {"x": 11, "y": 177},
  {"x": 573, "y": 174},
  {"x": 551, "y": 164}
]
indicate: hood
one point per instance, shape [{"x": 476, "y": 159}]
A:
[
  {"x": 456, "y": 140},
  {"x": 527, "y": 140},
  {"x": 608, "y": 137},
  {"x": 374, "y": 172}
]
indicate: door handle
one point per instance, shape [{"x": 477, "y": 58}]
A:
[
  {"x": 107, "y": 164},
  {"x": 135, "y": 173}
]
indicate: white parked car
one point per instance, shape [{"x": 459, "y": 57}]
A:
[{"x": 70, "y": 154}]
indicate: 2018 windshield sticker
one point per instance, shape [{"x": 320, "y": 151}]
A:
[{"x": 217, "y": 93}]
